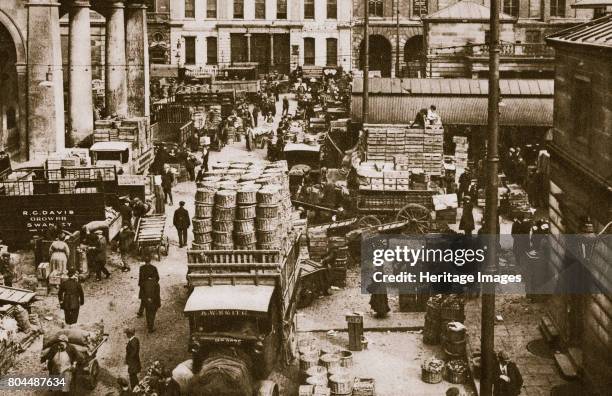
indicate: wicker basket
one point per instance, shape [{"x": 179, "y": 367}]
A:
[
  {"x": 223, "y": 225},
  {"x": 231, "y": 185},
  {"x": 201, "y": 226},
  {"x": 269, "y": 212},
  {"x": 267, "y": 236},
  {"x": 330, "y": 360},
  {"x": 222, "y": 238},
  {"x": 227, "y": 214},
  {"x": 315, "y": 371},
  {"x": 268, "y": 246},
  {"x": 223, "y": 246},
  {"x": 205, "y": 196},
  {"x": 225, "y": 199},
  {"x": 431, "y": 377},
  {"x": 203, "y": 210},
  {"x": 341, "y": 384},
  {"x": 364, "y": 387},
  {"x": 202, "y": 238},
  {"x": 268, "y": 195},
  {"x": 244, "y": 226},
  {"x": 266, "y": 224},
  {"x": 307, "y": 361},
  {"x": 320, "y": 380},
  {"x": 455, "y": 378},
  {"x": 246, "y": 212},
  {"x": 247, "y": 196},
  {"x": 250, "y": 176},
  {"x": 201, "y": 246},
  {"x": 244, "y": 238},
  {"x": 252, "y": 246}
]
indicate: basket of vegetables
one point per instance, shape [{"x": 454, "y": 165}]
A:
[
  {"x": 431, "y": 370},
  {"x": 456, "y": 371}
]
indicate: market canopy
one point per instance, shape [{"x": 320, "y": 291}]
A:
[
  {"x": 455, "y": 110},
  {"x": 250, "y": 298}
]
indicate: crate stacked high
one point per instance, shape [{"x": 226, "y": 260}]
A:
[
  {"x": 242, "y": 206},
  {"x": 418, "y": 147},
  {"x": 461, "y": 152}
]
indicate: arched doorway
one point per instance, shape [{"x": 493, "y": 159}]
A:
[
  {"x": 413, "y": 56},
  {"x": 9, "y": 94},
  {"x": 380, "y": 55}
]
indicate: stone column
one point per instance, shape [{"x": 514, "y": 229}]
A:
[
  {"x": 271, "y": 51},
  {"x": 248, "y": 37},
  {"x": 115, "y": 84},
  {"x": 46, "y": 130},
  {"x": 137, "y": 54},
  {"x": 81, "y": 102}
]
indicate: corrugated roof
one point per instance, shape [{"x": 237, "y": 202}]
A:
[
  {"x": 454, "y": 86},
  {"x": 466, "y": 11},
  {"x": 597, "y": 33},
  {"x": 456, "y": 110}
]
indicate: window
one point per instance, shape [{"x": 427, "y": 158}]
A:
[
  {"x": 419, "y": 7},
  {"x": 557, "y": 8},
  {"x": 309, "y": 51},
  {"x": 309, "y": 9},
  {"x": 581, "y": 103},
  {"x": 239, "y": 9},
  {"x": 190, "y": 55},
  {"x": 511, "y": 7},
  {"x": 332, "y": 52},
  {"x": 189, "y": 8},
  {"x": 211, "y": 50},
  {"x": 533, "y": 36},
  {"x": 281, "y": 9},
  {"x": 238, "y": 47},
  {"x": 260, "y": 9},
  {"x": 332, "y": 9},
  {"x": 211, "y": 9},
  {"x": 376, "y": 8}
]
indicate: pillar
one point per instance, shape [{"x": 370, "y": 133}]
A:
[
  {"x": 248, "y": 37},
  {"x": 115, "y": 84},
  {"x": 80, "y": 96},
  {"x": 46, "y": 130},
  {"x": 271, "y": 51},
  {"x": 137, "y": 54}
]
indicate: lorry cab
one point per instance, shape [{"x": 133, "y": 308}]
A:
[{"x": 118, "y": 154}]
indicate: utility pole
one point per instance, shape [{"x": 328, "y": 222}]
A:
[
  {"x": 397, "y": 40},
  {"x": 487, "y": 345},
  {"x": 365, "y": 105}
]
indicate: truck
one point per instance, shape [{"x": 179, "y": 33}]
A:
[{"x": 241, "y": 314}]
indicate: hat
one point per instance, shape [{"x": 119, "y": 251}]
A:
[
  {"x": 62, "y": 338},
  {"x": 129, "y": 331},
  {"x": 503, "y": 355},
  {"x": 182, "y": 203}
]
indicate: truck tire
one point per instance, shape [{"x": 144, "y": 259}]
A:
[{"x": 267, "y": 388}]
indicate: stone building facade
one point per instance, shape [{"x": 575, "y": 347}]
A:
[
  {"x": 277, "y": 35},
  {"x": 404, "y": 35},
  {"x": 581, "y": 192},
  {"x": 49, "y": 103}
]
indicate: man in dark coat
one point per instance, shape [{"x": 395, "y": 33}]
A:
[
  {"x": 147, "y": 271},
  {"x": 182, "y": 222},
  {"x": 100, "y": 256},
  {"x": 151, "y": 300},
  {"x": 507, "y": 377},
  {"x": 126, "y": 238},
  {"x": 285, "y": 105},
  {"x": 166, "y": 183},
  {"x": 132, "y": 356},
  {"x": 126, "y": 213},
  {"x": 71, "y": 297},
  {"x": 466, "y": 224},
  {"x": 464, "y": 183},
  {"x": 255, "y": 114}
]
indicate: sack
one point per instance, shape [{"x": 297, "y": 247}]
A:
[{"x": 75, "y": 337}]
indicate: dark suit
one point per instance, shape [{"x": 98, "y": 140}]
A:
[
  {"x": 71, "y": 297},
  {"x": 182, "y": 222},
  {"x": 147, "y": 271},
  {"x": 100, "y": 257},
  {"x": 151, "y": 300},
  {"x": 132, "y": 359},
  {"x": 503, "y": 388}
]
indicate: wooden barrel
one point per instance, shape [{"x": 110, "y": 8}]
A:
[
  {"x": 317, "y": 380},
  {"x": 244, "y": 226},
  {"x": 201, "y": 246},
  {"x": 246, "y": 196},
  {"x": 205, "y": 196},
  {"x": 307, "y": 361},
  {"x": 269, "y": 212},
  {"x": 201, "y": 226},
  {"x": 202, "y": 237},
  {"x": 223, "y": 246},
  {"x": 267, "y": 236},
  {"x": 222, "y": 238},
  {"x": 246, "y": 212},
  {"x": 268, "y": 195},
  {"x": 225, "y": 198},
  {"x": 453, "y": 349},
  {"x": 223, "y": 225},
  {"x": 341, "y": 384},
  {"x": 220, "y": 213},
  {"x": 266, "y": 224},
  {"x": 244, "y": 238},
  {"x": 330, "y": 360},
  {"x": 203, "y": 210},
  {"x": 346, "y": 358}
]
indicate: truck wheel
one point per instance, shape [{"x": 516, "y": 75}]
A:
[{"x": 267, "y": 388}]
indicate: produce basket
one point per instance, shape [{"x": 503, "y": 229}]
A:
[
  {"x": 431, "y": 370},
  {"x": 456, "y": 371}
]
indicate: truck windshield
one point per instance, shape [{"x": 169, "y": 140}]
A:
[
  {"x": 238, "y": 326},
  {"x": 121, "y": 156}
]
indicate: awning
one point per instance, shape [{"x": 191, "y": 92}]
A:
[
  {"x": 227, "y": 297},
  {"x": 110, "y": 146},
  {"x": 457, "y": 110},
  {"x": 302, "y": 147}
]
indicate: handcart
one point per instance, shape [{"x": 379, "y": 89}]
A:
[
  {"x": 89, "y": 368},
  {"x": 150, "y": 235}
]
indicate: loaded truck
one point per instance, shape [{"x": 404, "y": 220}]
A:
[{"x": 241, "y": 314}]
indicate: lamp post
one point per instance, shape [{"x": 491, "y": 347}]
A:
[
  {"x": 178, "y": 58},
  {"x": 365, "y": 109}
]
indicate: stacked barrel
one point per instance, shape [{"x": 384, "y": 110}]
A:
[{"x": 243, "y": 206}]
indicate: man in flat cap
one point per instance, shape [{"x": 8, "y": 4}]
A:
[{"x": 182, "y": 222}]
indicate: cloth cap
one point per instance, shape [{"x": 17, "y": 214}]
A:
[{"x": 503, "y": 355}]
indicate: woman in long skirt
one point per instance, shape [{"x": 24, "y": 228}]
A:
[{"x": 58, "y": 255}]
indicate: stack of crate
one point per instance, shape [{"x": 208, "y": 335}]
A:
[
  {"x": 338, "y": 269},
  {"x": 317, "y": 244},
  {"x": 433, "y": 150},
  {"x": 461, "y": 152},
  {"x": 128, "y": 130}
]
